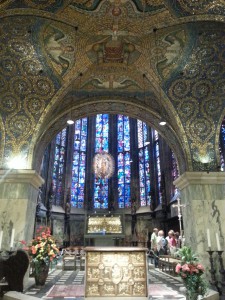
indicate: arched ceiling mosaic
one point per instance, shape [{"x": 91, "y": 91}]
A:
[{"x": 150, "y": 59}]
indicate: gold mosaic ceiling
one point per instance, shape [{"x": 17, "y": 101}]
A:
[{"x": 148, "y": 59}]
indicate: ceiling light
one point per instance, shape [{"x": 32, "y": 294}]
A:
[
  {"x": 70, "y": 122},
  {"x": 162, "y": 123}
]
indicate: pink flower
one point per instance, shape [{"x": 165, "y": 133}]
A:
[
  {"x": 200, "y": 267},
  {"x": 33, "y": 250},
  {"x": 178, "y": 267},
  {"x": 23, "y": 242},
  {"x": 185, "y": 268}
]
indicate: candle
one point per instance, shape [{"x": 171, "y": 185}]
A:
[
  {"x": 1, "y": 234},
  {"x": 208, "y": 238},
  {"x": 12, "y": 238},
  {"x": 218, "y": 242}
]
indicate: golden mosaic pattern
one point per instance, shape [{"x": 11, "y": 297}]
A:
[
  {"x": 42, "y": 56},
  {"x": 104, "y": 224},
  {"x": 116, "y": 274}
]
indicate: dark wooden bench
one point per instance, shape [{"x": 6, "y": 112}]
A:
[{"x": 167, "y": 263}]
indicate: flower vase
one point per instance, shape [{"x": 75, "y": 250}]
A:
[{"x": 40, "y": 273}]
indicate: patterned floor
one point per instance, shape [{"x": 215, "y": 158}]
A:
[{"x": 161, "y": 286}]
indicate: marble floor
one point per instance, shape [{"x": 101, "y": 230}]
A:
[{"x": 160, "y": 285}]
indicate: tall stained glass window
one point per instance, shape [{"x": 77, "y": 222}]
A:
[
  {"x": 144, "y": 163},
  {"x": 157, "y": 160},
  {"x": 120, "y": 147},
  {"x": 101, "y": 186},
  {"x": 58, "y": 168},
  {"x": 79, "y": 163},
  {"x": 123, "y": 161}
]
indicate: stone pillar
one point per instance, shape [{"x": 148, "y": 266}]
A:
[
  {"x": 203, "y": 195},
  {"x": 18, "y": 198}
]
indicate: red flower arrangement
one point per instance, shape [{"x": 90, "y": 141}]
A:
[
  {"x": 43, "y": 248},
  {"x": 191, "y": 271}
]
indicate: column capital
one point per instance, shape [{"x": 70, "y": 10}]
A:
[
  {"x": 199, "y": 178},
  {"x": 21, "y": 176}
]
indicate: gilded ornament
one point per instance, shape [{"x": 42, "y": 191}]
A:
[
  {"x": 179, "y": 89},
  {"x": 212, "y": 106},
  {"x": 20, "y": 85},
  {"x": 19, "y": 126},
  {"x": 202, "y": 89},
  {"x": 192, "y": 70},
  {"x": 9, "y": 103},
  {"x": 9, "y": 66},
  {"x": 43, "y": 86},
  {"x": 34, "y": 104},
  {"x": 31, "y": 67},
  {"x": 187, "y": 108},
  {"x": 205, "y": 52},
  {"x": 21, "y": 47},
  {"x": 214, "y": 70},
  {"x": 200, "y": 129}
]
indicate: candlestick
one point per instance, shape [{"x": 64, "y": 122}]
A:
[
  {"x": 218, "y": 242},
  {"x": 12, "y": 238},
  {"x": 1, "y": 235},
  {"x": 213, "y": 280},
  {"x": 208, "y": 238}
]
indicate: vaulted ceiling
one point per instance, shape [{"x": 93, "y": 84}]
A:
[{"x": 149, "y": 59}]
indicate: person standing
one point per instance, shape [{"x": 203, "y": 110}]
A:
[{"x": 154, "y": 245}]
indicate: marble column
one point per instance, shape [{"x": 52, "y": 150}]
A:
[
  {"x": 18, "y": 198},
  {"x": 203, "y": 195}
]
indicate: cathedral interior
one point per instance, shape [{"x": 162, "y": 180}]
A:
[{"x": 117, "y": 69}]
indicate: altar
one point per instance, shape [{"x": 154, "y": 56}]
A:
[
  {"x": 104, "y": 230},
  {"x": 119, "y": 272}
]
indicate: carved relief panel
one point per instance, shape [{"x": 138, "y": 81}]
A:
[{"x": 116, "y": 272}]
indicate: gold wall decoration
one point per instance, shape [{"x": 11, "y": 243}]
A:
[
  {"x": 101, "y": 224},
  {"x": 116, "y": 272}
]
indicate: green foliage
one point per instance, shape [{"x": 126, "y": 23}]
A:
[
  {"x": 192, "y": 272},
  {"x": 187, "y": 255}
]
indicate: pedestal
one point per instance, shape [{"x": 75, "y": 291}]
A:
[
  {"x": 203, "y": 195},
  {"x": 18, "y": 198}
]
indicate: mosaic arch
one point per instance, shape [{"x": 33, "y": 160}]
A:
[{"x": 111, "y": 107}]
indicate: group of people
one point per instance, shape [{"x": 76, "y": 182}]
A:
[{"x": 161, "y": 245}]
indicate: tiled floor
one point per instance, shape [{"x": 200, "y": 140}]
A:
[{"x": 160, "y": 285}]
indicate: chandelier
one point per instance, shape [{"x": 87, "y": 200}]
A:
[{"x": 103, "y": 165}]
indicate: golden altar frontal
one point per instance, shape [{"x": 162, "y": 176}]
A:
[{"x": 116, "y": 272}]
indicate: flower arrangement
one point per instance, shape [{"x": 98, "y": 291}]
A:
[
  {"x": 191, "y": 271},
  {"x": 42, "y": 248}
]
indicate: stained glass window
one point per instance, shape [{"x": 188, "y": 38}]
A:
[
  {"x": 101, "y": 185},
  {"x": 157, "y": 160},
  {"x": 79, "y": 163},
  {"x": 58, "y": 167},
  {"x": 122, "y": 155},
  {"x": 123, "y": 161},
  {"x": 144, "y": 163}
]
